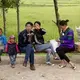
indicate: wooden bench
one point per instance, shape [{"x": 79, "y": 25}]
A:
[{"x": 77, "y": 49}]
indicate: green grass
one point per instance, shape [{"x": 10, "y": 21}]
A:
[
  {"x": 43, "y": 14},
  {"x": 50, "y": 2}
]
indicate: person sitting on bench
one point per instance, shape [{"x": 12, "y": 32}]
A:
[
  {"x": 66, "y": 43},
  {"x": 40, "y": 45},
  {"x": 3, "y": 42},
  {"x": 25, "y": 41}
]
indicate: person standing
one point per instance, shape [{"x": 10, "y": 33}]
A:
[
  {"x": 25, "y": 40},
  {"x": 66, "y": 43},
  {"x": 3, "y": 42},
  {"x": 12, "y": 50}
]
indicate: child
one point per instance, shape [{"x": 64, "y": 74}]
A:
[
  {"x": 3, "y": 42},
  {"x": 12, "y": 49}
]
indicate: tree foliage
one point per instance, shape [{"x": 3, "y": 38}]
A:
[{"x": 9, "y": 3}]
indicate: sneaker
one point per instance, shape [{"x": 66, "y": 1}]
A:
[
  {"x": 25, "y": 64},
  {"x": 32, "y": 67},
  {"x": 48, "y": 63}
]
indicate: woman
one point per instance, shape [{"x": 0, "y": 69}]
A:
[
  {"x": 3, "y": 42},
  {"x": 66, "y": 43},
  {"x": 40, "y": 45}
]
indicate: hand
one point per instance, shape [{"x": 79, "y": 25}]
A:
[
  {"x": 30, "y": 34},
  {"x": 58, "y": 40}
]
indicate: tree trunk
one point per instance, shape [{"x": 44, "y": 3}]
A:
[
  {"x": 18, "y": 19},
  {"x": 4, "y": 20},
  {"x": 57, "y": 14}
]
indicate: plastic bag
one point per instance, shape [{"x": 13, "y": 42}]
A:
[{"x": 54, "y": 44}]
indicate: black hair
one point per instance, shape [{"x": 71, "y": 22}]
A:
[
  {"x": 1, "y": 30},
  {"x": 38, "y": 22},
  {"x": 29, "y": 23},
  {"x": 63, "y": 22}
]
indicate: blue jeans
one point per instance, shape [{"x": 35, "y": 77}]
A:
[
  {"x": 29, "y": 53},
  {"x": 46, "y": 47},
  {"x": 12, "y": 59}
]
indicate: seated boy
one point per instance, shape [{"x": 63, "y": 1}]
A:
[{"x": 3, "y": 42}]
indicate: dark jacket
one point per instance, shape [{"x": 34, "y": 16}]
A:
[
  {"x": 24, "y": 39},
  {"x": 11, "y": 48},
  {"x": 38, "y": 36}
]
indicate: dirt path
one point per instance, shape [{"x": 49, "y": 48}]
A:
[{"x": 42, "y": 72}]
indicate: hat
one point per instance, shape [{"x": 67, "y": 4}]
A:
[{"x": 12, "y": 37}]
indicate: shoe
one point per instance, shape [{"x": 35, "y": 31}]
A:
[
  {"x": 62, "y": 66},
  {"x": 73, "y": 67},
  {"x": 48, "y": 63},
  {"x": 32, "y": 67},
  {"x": 25, "y": 64},
  {"x": 12, "y": 65}
]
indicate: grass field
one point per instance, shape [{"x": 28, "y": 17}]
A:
[{"x": 45, "y": 15}]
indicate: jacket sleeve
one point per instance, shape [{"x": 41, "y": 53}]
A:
[
  {"x": 17, "y": 48},
  {"x": 4, "y": 41},
  {"x": 42, "y": 31}
]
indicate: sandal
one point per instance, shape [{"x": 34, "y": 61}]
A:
[
  {"x": 73, "y": 67},
  {"x": 62, "y": 66}
]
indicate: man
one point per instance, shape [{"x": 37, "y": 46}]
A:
[{"x": 25, "y": 44}]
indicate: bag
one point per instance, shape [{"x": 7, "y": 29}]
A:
[{"x": 54, "y": 44}]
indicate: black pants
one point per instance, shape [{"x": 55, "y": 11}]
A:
[{"x": 62, "y": 52}]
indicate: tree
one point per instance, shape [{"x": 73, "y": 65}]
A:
[
  {"x": 57, "y": 14},
  {"x": 5, "y": 4},
  {"x": 18, "y": 19},
  {"x": 16, "y": 4}
]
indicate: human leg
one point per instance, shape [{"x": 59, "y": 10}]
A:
[
  {"x": 48, "y": 56},
  {"x": 12, "y": 60},
  {"x": 62, "y": 54},
  {"x": 32, "y": 67}
]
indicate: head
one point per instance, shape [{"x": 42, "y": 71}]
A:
[
  {"x": 29, "y": 26},
  {"x": 1, "y": 31},
  {"x": 12, "y": 39},
  {"x": 63, "y": 24},
  {"x": 37, "y": 25}
]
